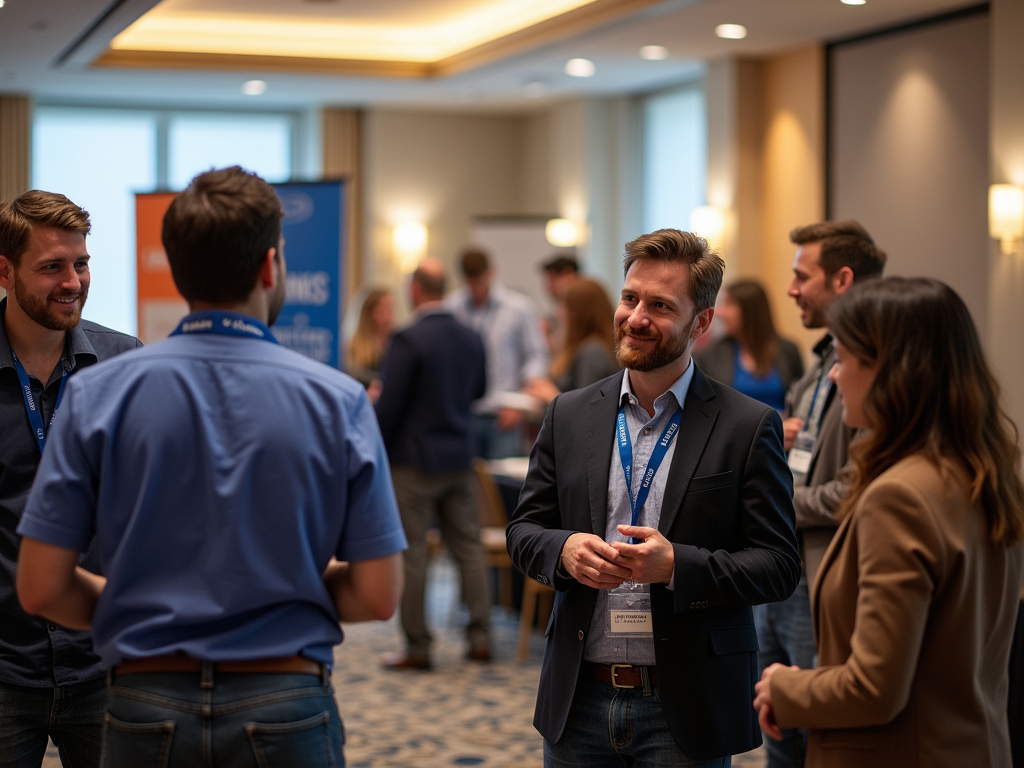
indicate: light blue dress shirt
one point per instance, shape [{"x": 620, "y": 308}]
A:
[
  {"x": 644, "y": 431},
  {"x": 516, "y": 351},
  {"x": 219, "y": 475}
]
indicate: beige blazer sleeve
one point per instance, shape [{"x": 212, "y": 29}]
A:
[{"x": 889, "y": 559}]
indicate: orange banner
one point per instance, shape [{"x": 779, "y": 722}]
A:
[{"x": 160, "y": 306}]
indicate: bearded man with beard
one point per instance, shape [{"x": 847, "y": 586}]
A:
[
  {"x": 51, "y": 682},
  {"x": 658, "y": 504}
]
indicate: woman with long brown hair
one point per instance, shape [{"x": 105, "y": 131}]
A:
[
  {"x": 750, "y": 356},
  {"x": 915, "y": 602},
  {"x": 588, "y": 348},
  {"x": 373, "y": 333}
]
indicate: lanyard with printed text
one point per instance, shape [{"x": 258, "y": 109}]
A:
[
  {"x": 35, "y": 417},
  {"x": 224, "y": 324},
  {"x": 637, "y": 502}
]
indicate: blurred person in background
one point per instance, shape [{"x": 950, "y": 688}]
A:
[
  {"x": 588, "y": 352},
  {"x": 561, "y": 271},
  {"x": 751, "y": 357},
  {"x": 916, "y": 600},
  {"x": 516, "y": 354},
  {"x": 373, "y": 333}
]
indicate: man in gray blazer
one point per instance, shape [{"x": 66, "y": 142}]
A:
[{"x": 830, "y": 257}]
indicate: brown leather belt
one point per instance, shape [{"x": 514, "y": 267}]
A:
[
  {"x": 621, "y": 675},
  {"x": 298, "y": 665}
]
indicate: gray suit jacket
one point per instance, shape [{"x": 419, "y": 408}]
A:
[{"x": 817, "y": 500}]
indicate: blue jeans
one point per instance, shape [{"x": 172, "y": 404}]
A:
[
  {"x": 786, "y": 635},
  {"x": 71, "y": 715},
  {"x": 193, "y": 720},
  {"x": 614, "y": 727}
]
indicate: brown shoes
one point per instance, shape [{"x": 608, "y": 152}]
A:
[{"x": 405, "y": 661}]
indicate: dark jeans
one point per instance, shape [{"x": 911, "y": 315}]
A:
[
  {"x": 786, "y": 635},
  {"x": 615, "y": 727},
  {"x": 192, "y": 720},
  {"x": 71, "y": 715}
]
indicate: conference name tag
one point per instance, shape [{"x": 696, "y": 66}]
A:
[
  {"x": 631, "y": 623},
  {"x": 799, "y": 461},
  {"x": 629, "y": 612}
]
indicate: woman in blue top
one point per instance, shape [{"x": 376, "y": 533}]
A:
[{"x": 751, "y": 357}]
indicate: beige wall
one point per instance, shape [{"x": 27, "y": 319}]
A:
[
  {"x": 442, "y": 170},
  {"x": 910, "y": 146},
  {"x": 1006, "y": 273},
  {"x": 792, "y": 172}
]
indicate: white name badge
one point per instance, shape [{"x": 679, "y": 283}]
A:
[
  {"x": 629, "y": 612},
  {"x": 799, "y": 461},
  {"x": 630, "y": 623}
]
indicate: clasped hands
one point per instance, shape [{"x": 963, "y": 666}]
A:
[
  {"x": 763, "y": 702},
  {"x": 605, "y": 565}
]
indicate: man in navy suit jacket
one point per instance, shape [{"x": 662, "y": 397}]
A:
[
  {"x": 658, "y": 670},
  {"x": 431, "y": 374}
]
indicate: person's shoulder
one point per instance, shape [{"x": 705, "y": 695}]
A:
[
  {"x": 514, "y": 299},
  {"x": 107, "y": 342}
]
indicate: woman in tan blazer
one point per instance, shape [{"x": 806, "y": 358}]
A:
[{"x": 915, "y": 602}]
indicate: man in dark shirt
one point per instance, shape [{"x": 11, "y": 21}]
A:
[
  {"x": 432, "y": 373},
  {"x": 51, "y": 682}
]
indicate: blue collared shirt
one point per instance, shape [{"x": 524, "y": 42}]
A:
[
  {"x": 34, "y": 652},
  {"x": 516, "y": 351},
  {"x": 219, "y": 475},
  {"x": 645, "y": 431}
]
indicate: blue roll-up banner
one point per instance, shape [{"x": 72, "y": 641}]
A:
[{"x": 314, "y": 250}]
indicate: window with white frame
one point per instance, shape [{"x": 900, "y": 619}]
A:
[{"x": 101, "y": 157}]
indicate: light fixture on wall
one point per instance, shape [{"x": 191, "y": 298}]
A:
[
  {"x": 709, "y": 222},
  {"x": 731, "y": 31},
  {"x": 562, "y": 233},
  {"x": 409, "y": 241},
  {"x": 1006, "y": 215}
]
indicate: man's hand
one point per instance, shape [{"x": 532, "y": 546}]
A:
[
  {"x": 790, "y": 429},
  {"x": 591, "y": 561},
  {"x": 652, "y": 561},
  {"x": 763, "y": 702},
  {"x": 509, "y": 418}
]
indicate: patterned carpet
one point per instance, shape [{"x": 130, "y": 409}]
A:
[{"x": 459, "y": 714}]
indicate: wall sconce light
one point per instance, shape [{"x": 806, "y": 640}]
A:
[
  {"x": 409, "y": 241},
  {"x": 709, "y": 222},
  {"x": 1006, "y": 215},
  {"x": 562, "y": 233}
]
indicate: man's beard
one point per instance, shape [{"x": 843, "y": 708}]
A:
[
  {"x": 40, "y": 312},
  {"x": 667, "y": 349}
]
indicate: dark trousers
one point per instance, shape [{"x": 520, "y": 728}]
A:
[{"x": 71, "y": 715}]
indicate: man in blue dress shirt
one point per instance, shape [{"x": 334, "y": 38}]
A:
[{"x": 241, "y": 499}]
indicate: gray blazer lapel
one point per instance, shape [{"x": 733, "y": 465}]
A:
[
  {"x": 601, "y": 414},
  {"x": 699, "y": 417}
]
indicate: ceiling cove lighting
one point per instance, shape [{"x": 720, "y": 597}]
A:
[
  {"x": 254, "y": 87},
  {"x": 654, "y": 52},
  {"x": 580, "y": 68},
  {"x": 853, "y": 2},
  {"x": 438, "y": 36},
  {"x": 731, "y": 31}
]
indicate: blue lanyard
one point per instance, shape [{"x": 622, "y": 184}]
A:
[
  {"x": 35, "y": 418},
  {"x": 637, "y": 502},
  {"x": 814, "y": 399},
  {"x": 224, "y": 324}
]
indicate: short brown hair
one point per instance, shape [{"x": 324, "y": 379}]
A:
[
  {"x": 843, "y": 244},
  {"x": 217, "y": 233},
  {"x": 36, "y": 208},
  {"x": 432, "y": 284},
  {"x": 474, "y": 263},
  {"x": 705, "y": 266}
]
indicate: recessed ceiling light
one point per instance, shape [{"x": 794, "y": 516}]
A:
[
  {"x": 535, "y": 90},
  {"x": 2, "y": 3},
  {"x": 731, "y": 31},
  {"x": 254, "y": 87},
  {"x": 579, "y": 67},
  {"x": 654, "y": 52},
  {"x": 853, "y": 2}
]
